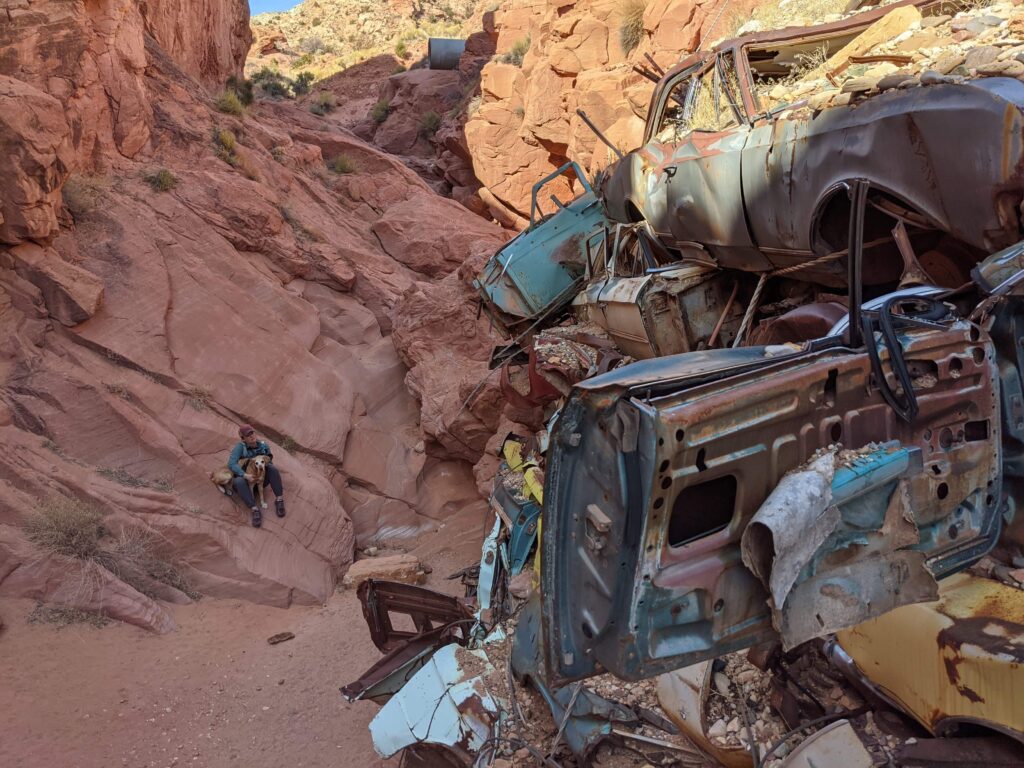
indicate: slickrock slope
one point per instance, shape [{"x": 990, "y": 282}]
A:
[{"x": 145, "y": 314}]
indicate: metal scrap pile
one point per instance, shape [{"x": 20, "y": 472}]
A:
[{"x": 821, "y": 441}]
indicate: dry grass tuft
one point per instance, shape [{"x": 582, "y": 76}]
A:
[
  {"x": 429, "y": 123},
  {"x": 518, "y": 52},
  {"x": 84, "y": 194},
  {"x": 68, "y": 527},
  {"x": 230, "y": 104},
  {"x": 631, "y": 29},
  {"x": 198, "y": 397},
  {"x": 62, "y": 616},
  {"x": 162, "y": 180},
  {"x": 137, "y": 559}
]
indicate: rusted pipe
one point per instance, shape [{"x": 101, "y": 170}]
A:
[
  {"x": 601, "y": 136},
  {"x": 721, "y": 320}
]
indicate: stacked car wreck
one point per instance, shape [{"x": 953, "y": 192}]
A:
[{"x": 774, "y": 357}]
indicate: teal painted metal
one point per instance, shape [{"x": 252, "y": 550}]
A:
[
  {"x": 543, "y": 268},
  {"x": 524, "y": 514}
]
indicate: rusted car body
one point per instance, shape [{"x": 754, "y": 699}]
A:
[
  {"x": 958, "y": 661},
  {"x": 656, "y": 470},
  {"x": 722, "y": 174},
  {"x": 538, "y": 272}
]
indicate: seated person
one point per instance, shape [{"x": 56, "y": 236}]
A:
[{"x": 247, "y": 448}]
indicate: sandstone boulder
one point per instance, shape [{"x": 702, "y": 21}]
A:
[
  {"x": 71, "y": 294},
  {"x": 35, "y": 157},
  {"x": 411, "y": 96},
  {"x": 404, "y": 568},
  {"x": 423, "y": 234}
]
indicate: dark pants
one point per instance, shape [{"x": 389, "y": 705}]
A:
[{"x": 273, "y": 479}]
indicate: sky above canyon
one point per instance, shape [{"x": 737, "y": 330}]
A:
[{"x": 263, "y": 6}]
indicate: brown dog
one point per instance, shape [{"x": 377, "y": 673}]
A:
[{"x": 256, "y": 467}]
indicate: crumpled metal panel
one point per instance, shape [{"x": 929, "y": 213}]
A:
[
  {"x": 835, "y": 744},
  {"x": 681, "y": 444},
  {"x": 427, "y": 608},
  {"x": 817, "y": 541},
  {"x": 541, "y": 269},
  {"x": 957, "y": 660},
  {"x": 439, "y": 620},
  {"x": 447, "y": 702},
  {"x": 591, "y": 717}
]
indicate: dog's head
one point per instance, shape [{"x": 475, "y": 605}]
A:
[{"x": 259, "y": 464}]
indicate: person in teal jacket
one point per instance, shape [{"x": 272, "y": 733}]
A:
[{"x": 247, "y": 448}]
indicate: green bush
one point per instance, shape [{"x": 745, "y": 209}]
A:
[
  {"x": 229, "y": 103},
  {"x": 402, "y": 50},
  {"x": 162, "y": 180},
  {"x": 631, "y": 30},
  {"x": 300, "y": 85},
  {"x": 380, "y": 111},
  {"x": 303, "y": 61},
  {"x": 429, "y": 123},
  {"x": 242, "y": 89}
]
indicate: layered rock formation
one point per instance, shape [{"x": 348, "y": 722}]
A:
[
  {"x": 526, "y": 123},
  {"x": 168, "y": 271}
]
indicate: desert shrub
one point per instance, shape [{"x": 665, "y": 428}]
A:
[
  {"x": 137, "y": 559},
  {"x": 323, "y": 103},
  {"x": 118, "y": 388},
  {"x": 380, "y": 111},
  {"x": 300, "y": 85},
  {"x": 402, "y": 50},
  {"x": 226, "y": 139},
  {"x": 83, "y": 195},
  {"x": 312, "y": 44},
  {"x": 124, "y": 477},
  {"x": 631, "y": 29},
  {"x": 517, "y": 53},
  {"x": 63, "y": 616},
  {"x": 474, "y": 105},
  {"x": 303, "y": 61},
  {"x": 429, "y": 123},
  {"x": 278, "y": 154},
  {"x": 198, "y": 397},
  {"x": 242, "y": 88},
  {"x": 224, "y": 144},
  {"x": 67, "y": 526},
  {"x": 342, "y": 164},
  {"x": 229, "y": 103},
  {"x": 162, "y": 180}
]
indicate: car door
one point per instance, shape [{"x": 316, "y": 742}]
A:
[
  {"x": 704, "y": 189},
  {"x": 657, "y": 470}
]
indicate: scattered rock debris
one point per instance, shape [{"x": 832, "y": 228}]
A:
[{"x": 281, "y": 637}]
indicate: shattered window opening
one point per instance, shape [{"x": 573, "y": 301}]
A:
[{"x": 706, "y": 100}]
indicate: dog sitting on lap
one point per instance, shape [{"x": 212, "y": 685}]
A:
[{"x": 249, "y": 470}]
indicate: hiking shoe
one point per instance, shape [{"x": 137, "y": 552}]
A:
[
  {"x": 257, "y": 517},
  {"x": 279, "y": 507}
]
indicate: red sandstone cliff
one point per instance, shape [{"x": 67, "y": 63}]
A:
[{"x": 140, "y": 326}]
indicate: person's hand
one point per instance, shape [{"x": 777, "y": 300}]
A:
[{"x": 249, "y": 478}]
